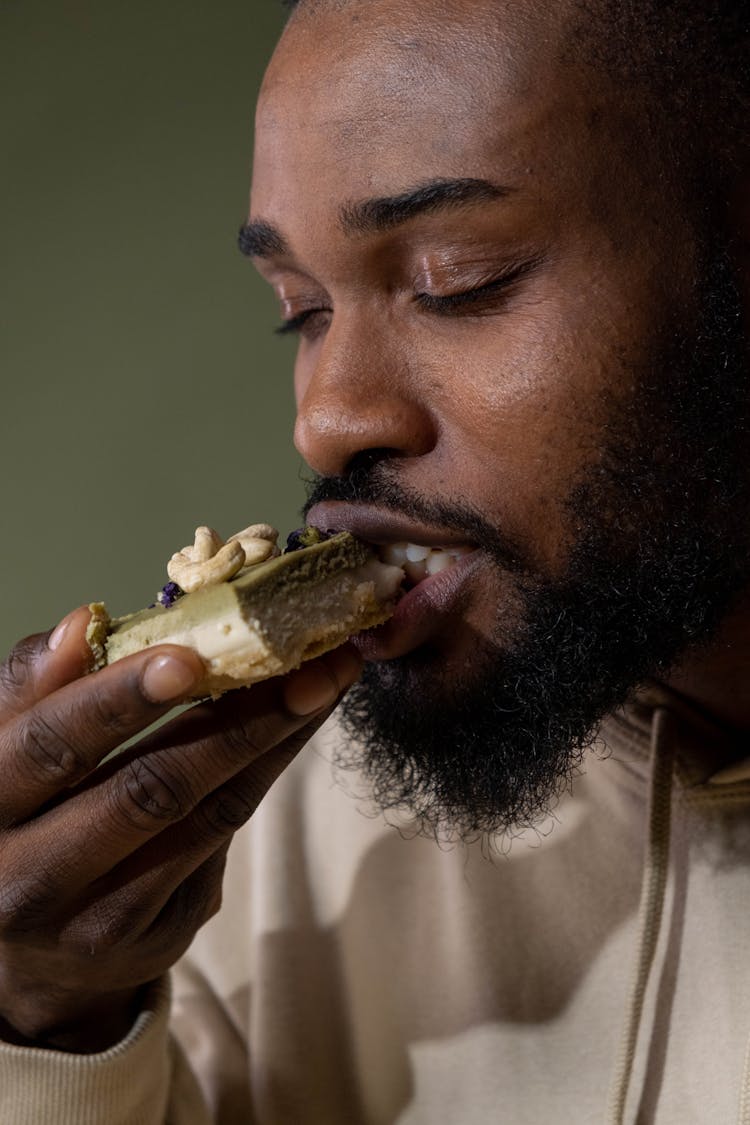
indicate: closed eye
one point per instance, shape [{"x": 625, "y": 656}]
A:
[
  {"x": 480, "y": 296},
  {"x": 303, "y": 323},
  {"x": 313, "y": 322}
]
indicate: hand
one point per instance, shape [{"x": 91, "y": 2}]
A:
[{"x": 107, "y": 871}]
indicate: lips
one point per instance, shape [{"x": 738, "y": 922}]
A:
[
  {"x": 438, "y": 566},
  {"x": 379, "y": 526}
]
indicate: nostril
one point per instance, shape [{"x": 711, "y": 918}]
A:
[{"x": 343, "y": 417}]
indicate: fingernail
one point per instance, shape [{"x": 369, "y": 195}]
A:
[
  {"x": 165, "y": 678},
  {"x": 346, "y": 664},
  {"x": 57, "y": 635},
  {"x": 319, "y": 684},
  {"x": 310, "y": 690}
]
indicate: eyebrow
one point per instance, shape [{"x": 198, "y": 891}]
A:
[
  {"x": 374, "y": 215},
  {"x": 260, "y": 239}
]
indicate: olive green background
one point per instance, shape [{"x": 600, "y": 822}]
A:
[{"x": 143, "y": 390}]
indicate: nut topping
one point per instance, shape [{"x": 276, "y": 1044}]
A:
[
  {"x": 210, "y": 560},
  {"x": 258, "y": 542}
]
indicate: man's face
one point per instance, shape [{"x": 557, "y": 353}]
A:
[{"x": 492, "y": 286}]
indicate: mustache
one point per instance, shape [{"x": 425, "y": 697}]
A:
[{"x": 370, "y": 479}]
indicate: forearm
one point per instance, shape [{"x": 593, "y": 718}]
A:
[{"x": 86, "y": 1026}]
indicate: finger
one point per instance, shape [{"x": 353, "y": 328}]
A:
[
  {"x": 246, "y": 719},
  {"x": 320, "y": 682},
  {"x": 53, "y": 745},
  {"x": 40, "y": 664},
  {"x": 193, "y": 903},
  {"x": 163, "y": 780},
  {"x": 173, "y": 883},
  {"x": 126, "y": 944},
  {"x": 151, "y": 875}
]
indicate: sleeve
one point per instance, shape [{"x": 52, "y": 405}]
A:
[
  {"x": 143, "y": 1080},
  {"x": 211, "y": 1030}
]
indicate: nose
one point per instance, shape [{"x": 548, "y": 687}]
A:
[{"x": 355, "y": 395}]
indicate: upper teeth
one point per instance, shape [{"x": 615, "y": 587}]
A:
[{"x": 419, "y": 561}]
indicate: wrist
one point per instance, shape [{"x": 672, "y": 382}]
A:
[{"x": 88, "y": 1027}]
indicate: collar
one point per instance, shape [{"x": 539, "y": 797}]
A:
[{"x": 706, "y": 752}]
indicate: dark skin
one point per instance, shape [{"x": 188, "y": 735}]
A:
[
  {"x": 108, "y": 874},
  {"x": 500, "y": 401}
]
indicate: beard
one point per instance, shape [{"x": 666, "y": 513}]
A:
[{"x": 660, "y": 554}]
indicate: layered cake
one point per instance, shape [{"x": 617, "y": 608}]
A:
[{"x": 252, "y": 612}]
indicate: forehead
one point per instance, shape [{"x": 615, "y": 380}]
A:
[{"x": 369, "y": 98}]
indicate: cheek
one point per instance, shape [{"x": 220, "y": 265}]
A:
[
  {"x": 521, "y": 402},
  {"x": 524, "y": 408}
]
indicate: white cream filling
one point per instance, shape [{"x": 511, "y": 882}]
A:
[
  {"x": 420, "y": 562},
  {"x": 222, "y": 636}
]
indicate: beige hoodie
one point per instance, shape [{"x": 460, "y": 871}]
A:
[{"x": 598, "y": 972}]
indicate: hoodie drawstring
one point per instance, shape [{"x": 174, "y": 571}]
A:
[
  {"x": 653, "y": 888},
  {"x": 743, "y": 1117}
]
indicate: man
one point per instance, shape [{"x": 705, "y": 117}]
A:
[{"x": 513, "y": 240}]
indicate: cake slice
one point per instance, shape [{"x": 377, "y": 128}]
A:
[{"x": 268, "y": 618}]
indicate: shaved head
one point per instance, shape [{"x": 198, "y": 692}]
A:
[{"x": 687, "y": 60}]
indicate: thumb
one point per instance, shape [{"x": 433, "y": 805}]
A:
[{"x": 40, "y": 664}]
